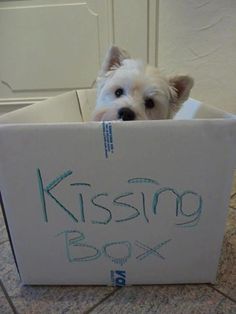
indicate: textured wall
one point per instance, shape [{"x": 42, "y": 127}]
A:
[{"x": 199, "y": 38}]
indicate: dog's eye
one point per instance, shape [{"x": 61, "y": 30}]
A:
[
  {"x": 119, "y": 92},
  {"x": 149, "y": 103}
]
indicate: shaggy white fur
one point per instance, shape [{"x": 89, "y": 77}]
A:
[{"x": 128, "y": 90}]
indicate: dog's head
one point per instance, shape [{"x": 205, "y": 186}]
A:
[{"x": 128, "y": 90}]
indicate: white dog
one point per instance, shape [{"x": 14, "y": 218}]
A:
[{"x": 127, "y": 90}]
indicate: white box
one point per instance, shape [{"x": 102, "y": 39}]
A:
[{"x": 116, "y": 202}]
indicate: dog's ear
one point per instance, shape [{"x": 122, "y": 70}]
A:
[
  {"x": 182, "y": 85},
  {"x": 113, "y": 59}
]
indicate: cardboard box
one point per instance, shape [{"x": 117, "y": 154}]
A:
[{"x": 114, "y": 203}]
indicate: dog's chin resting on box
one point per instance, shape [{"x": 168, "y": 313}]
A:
[{"x": 128, "y": 90}]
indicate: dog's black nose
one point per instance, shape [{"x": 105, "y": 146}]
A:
[{"x": 126, "y": 114}]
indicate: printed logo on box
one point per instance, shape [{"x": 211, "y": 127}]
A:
[
  {"x": 118, "y": 278},
  {"x": 107, "y": 138}
]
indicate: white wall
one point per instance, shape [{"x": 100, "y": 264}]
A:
[
  {"x": 195, "y": 36},
  {"x": 48, "y": 47},
  {"x": 199, "y": 38}
]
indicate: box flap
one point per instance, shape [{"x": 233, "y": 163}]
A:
[
  {"x": 87, "y": 99},
  {"x": 59, "y": 109},
  {"x": 194, "y": 109}
]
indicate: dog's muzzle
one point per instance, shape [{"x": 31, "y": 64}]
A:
[{"x": 126, "y": 114}]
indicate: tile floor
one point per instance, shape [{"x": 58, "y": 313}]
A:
[{"x": 204, "y": 298}]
